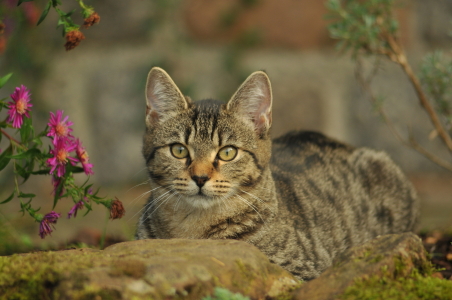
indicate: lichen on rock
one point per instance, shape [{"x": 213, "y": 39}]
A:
[{"x": 145, "y": 269}]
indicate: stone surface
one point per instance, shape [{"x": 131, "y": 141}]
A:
[
  {"x": 396, "y": 255},
  {"x": 145, "y": 269}
]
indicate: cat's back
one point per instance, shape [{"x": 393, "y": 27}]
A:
[
  {"x": 360, "y": 190},
  {"x": 300, "y": 149}
]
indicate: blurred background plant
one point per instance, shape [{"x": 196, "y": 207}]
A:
[
  {"x": 26, "y": 150},
  {"x": 369, "y": 30}
]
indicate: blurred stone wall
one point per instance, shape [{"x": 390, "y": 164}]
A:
[{"x": 209, "y": 47}]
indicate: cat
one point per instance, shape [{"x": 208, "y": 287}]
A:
[{"x": 302, "y": 199}]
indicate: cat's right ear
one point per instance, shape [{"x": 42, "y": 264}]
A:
[{"x": 163, "y": 97}]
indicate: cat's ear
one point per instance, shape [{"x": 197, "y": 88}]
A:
[
  {"x": 163, "y": 97},
  {"x": 253, "y": 101}
]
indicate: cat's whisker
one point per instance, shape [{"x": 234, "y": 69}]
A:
[
  {"x": 272, "y": 208},
  {"x": 143, "y": 194},
  {"x": 162, "y": 202},
  {"x": 177, "y": 202},
  {"x": 141, "y": 170},
  {"x": 223, "y": 199},
  {"x": 144, "y": 207},
  {"x": 250, "y": 205},
  {"x": 137, "y": 198},
  {"x": 145, "y": 182}
]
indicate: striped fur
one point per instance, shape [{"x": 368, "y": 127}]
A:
[{"x": 310, "y": 200}]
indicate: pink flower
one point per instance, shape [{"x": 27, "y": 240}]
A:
[
  {"x": 83, "y": 157},
  {"x": 79, "y": 205},
  {"x": 61, "y": 156},
  {"x": 19, "y": 107},
  {"x": 75, "y": 208},
  {"x": 45, "y": 227},
  {"x": 59, "y": 127}
]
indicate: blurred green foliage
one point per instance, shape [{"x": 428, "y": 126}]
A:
[
  {"x": 436, "y": 76},
  {"x": 362, "y": 26}
]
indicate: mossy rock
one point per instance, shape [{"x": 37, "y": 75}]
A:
[
  {"x": 390, "y": 267},
  {"x": 145, "y": 269}
]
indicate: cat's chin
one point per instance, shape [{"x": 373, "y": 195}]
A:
[{"x": 202, "y": 201}]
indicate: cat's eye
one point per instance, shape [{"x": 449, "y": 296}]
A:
[
  {"x": 179, "y": 151},
  {"x": 227, "y": 153}
]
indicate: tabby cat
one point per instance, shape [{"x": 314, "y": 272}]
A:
[{"x": 302, "y": 199}]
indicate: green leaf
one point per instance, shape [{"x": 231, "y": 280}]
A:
[
  {"x": 27, "y": 154},
  {"x": 5, "y": 157},
  {"x": 22, "y": 172},
  {"x": 74, "y": 169},
  {"x": 37, "y": 141},
  {"x": 22, "y": 195},
  {"x": 8, "y": 199},
  {"x": 27, "y": 130},
  {"x": 87, "y": 188},
  {"x": 22, "y": 1},
  {"x": 68, "y": 14},
  {"x": 41, "y": 172},
  {"x": 58, "y": 191},
  {"x": 4, "y": 79},
  {"x": 45, "y": 12}
]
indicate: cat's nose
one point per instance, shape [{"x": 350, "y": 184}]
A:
[{"x": 200, "y": 180}]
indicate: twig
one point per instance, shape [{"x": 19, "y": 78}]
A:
[
  {"x": 411, "y": 142},
  {"x": 9, "y": 137},
  {"x": 400, "y": 58},
  {"x": 440, "y": 162}
]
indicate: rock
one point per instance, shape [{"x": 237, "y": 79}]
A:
[
  {"x": 144, "y": 269},
  {"x": 393, "y": 255}
]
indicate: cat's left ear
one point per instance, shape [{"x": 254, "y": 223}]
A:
[
  {"x": 163, "y": 97},
  {"x": 253, "y": 101}
]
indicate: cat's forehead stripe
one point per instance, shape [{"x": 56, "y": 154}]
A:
[{"x": 205, "y": 121}]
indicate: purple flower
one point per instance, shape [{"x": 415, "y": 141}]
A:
[
  {"x": 19, "y": 107},
  {"x": 59, "y": 127},
  {"x": 61, "y": 157},
  {"x": 75, "y": 208},
  {"x": 45, "y": 227},
  {"x": 83, "y": 157}
]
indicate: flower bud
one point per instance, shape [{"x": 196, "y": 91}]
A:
[
  {"x": 117, "y": 210},
  {"x": 94, "y": 18},
  {"x": 73, "y": 38}
]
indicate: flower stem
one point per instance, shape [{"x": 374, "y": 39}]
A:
[
  {"x": 104, "y": 232},
  {"x": 9, "y": 137},
  {"x": 82, "y": 5}
]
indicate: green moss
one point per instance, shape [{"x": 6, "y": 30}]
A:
[
  {"x": 224, "y": 294},
  {"x": 245, "y": 270},
  {"x": 288, "y": 294},
  {"x": 27, "y": 277},
  {"x": 415, "y": 286},
  {"x": 19, "y": 279},
  {"x": 247, "y": 276},
  {"x": 376, "y": 259},
  {"x": 401, "y": 283}
]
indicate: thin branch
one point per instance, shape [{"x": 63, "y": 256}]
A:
[
  {"x": 9, "y": 137},
  {"x": 440, "y": 162},
  {"x": 411, "y": 142},
  {"x": 400, "y": 58}
]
